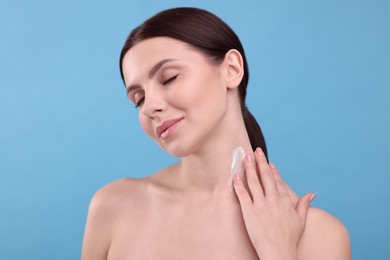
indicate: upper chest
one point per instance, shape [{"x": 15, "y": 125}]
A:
[{"x": 170, "y": 230}]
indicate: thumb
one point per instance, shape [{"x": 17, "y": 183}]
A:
[{"x": 303, "y": 206}]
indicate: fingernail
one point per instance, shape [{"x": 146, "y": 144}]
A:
[
  {"x": 248, "y": 157},
  {"x": 272, "y": 165},
  {"x": 237, "y": 176},
  {"x": 259, "y": 151},
  {"x": 312, "y": 197}
]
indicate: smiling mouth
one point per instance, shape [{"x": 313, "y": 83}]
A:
[{"x": 166, "y": 129}]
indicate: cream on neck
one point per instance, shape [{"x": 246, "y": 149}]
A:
[{"x": 209, "y": 170}]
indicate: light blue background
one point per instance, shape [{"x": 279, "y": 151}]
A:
[{"x": 320, "y": 82}]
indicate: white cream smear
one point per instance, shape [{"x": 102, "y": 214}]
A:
[{"x": 237, "y": 164}]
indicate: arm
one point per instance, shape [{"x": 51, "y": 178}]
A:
[{"x": 96, "y": 241}]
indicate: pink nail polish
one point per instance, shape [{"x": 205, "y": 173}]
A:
[
  {"x": 248, "y": 157},
  {"x": 259, "y": 151},
  {"x": 272, "y": 165},
  {"x": 312, "y": 197}
]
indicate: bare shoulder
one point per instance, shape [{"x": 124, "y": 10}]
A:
[
  {"x": 119, "y": 195},
  {"x": 325, "y": 237},
  {"x": 107, "y": 204},
  {"x": 118, "y": 189},
  {"x": 130, "y": 193}
]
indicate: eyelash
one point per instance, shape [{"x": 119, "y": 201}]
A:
[
  {"x": 170, "y": 80},
  {"x": 139, "y": 103}
]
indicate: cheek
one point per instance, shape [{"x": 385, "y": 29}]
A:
[
  {"x": 207, "y": 99},
  {"x": 200, "y": 94}
]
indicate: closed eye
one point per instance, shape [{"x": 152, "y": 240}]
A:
[
  {"x": 170, "y": 80},
  {"x": 166, "y": 82},
  {"x": 139, "y": 103}
]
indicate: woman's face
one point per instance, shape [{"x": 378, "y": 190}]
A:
[{"x": 180, "y": 95}]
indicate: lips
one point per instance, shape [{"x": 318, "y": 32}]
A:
[{"x": 165, "y": 125}]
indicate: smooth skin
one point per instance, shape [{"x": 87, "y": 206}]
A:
[
  {"x": 283, "y": 226},
  {"x": 188, "y": 210}
]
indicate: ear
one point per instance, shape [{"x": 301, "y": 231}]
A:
[{"x": 233, "y": 68}]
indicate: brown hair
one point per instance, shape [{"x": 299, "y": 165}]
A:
[{"x": 211, "y": 36}]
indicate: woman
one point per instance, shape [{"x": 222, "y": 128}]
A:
[{"x": 186, "y": 72}]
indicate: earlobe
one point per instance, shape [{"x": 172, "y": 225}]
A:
[{"x": 234, "y": 68}]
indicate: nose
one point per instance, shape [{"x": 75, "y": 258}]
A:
[{"x": 153, "y": 104}]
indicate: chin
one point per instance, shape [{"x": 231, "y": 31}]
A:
[
  {"x": 178, "y": 150},
  {"x": 182, "y": 145}
]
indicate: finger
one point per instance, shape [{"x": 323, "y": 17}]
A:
[
  {"x": 281, "y": 186},
  {"x": 242, "y": 194},
  {"x": 303, "y": 206},
  {"x": 294, "y": 197},
  {"x": 252, "y": 178},
  {"x": 267, "y": 179}
]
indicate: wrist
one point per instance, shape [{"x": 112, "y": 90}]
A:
[{"x": 278, "y": 254}]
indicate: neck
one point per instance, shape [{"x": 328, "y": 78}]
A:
[{"x": 208, "y": 170}]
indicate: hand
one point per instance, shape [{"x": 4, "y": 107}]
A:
[{"x": 273, "y": 220}]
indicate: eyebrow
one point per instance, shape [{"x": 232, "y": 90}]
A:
[{"x": 152, "y": 73}]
